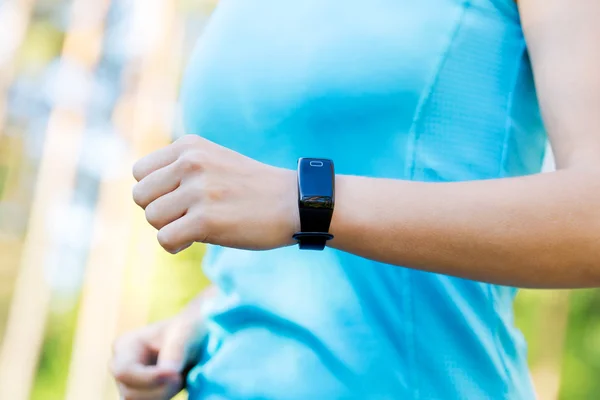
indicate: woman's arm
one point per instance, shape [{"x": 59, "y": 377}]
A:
[{"x": 536, "y": 231}]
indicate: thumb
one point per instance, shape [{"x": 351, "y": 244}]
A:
[{"x": 180, "y": 343}]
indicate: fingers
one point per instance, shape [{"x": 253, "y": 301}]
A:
[
  {"x": 180, "y": 233},
  {"x": 154, "y": 161},
  {"x": 180, "y": 343},
  {"x": 134, "y": 365},
  {"x": 138, "y": 376},
  {"x": 156, "y": 184},
  {"x": 165, "y": 156},
  {"x": 168, "y": 208},
  {"x": 140, "y": 382},
  {"x": 134, "y": 353},
  {"x": 129, "y": 350},
  {"x": 163, "y": 392}
]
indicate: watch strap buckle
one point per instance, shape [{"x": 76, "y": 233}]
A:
[{"x": 312, "y": 240}]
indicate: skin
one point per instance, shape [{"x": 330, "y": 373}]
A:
[
  {"x": 539, "y": 231},
  {"x": 147, "y": 363}
]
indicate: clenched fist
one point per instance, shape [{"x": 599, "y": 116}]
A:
[
  {"x": 197, "y": 191},
  {"x": 148, "y": 363}
]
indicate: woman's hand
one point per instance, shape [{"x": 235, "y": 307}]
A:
[
  {"x": 148, "y": 363},
  {"x": 197, "y": 191}
]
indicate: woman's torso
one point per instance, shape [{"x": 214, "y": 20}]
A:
[{"x": 431, "y": 90}]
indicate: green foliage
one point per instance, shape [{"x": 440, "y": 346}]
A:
[
  {"x": 581, "y": 365},
  {"x": 177, "y": 279},
  {"x": 527, "y": 317},
  {"x": 53, "y": 368}
]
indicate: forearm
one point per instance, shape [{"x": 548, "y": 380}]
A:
[{"x": 536, "y": 231}]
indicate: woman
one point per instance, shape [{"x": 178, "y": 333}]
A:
[{"x": 429, "y": 112}]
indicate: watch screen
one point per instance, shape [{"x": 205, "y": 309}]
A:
[{"x": 316, "y": 179}]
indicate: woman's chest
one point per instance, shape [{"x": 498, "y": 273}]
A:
[
  {"x": 277, "y": 80},
  {"x": 265, "y": 66}
]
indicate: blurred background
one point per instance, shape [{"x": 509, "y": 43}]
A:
[{"x": 86, "y": 88}]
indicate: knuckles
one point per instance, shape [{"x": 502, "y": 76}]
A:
[
  {"x": 191, "y": 162},
  {"x": 215, "y": 193},
  {"x": 189, "y": 140},
  {"x": 192, "y": 167},
  {"x": 185, "y": 144}
]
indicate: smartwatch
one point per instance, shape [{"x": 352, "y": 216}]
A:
[{"x": 316, "y": 197}]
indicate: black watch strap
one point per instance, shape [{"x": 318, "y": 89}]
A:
[
  {"x": 312, "y": 240},
  {"x": 315, "y": 202}
]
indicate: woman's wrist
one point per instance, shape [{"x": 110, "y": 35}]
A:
[
  {"x": 289, "y": 221},
  {"x": 339, "y": 220}
]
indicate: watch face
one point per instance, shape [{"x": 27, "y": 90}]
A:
[{"x": 316, "y": 183}]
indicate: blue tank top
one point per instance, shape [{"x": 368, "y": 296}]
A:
[{"x": 427, "y": 90}]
